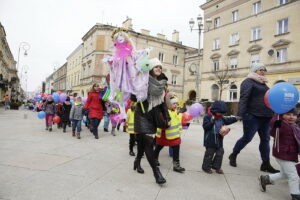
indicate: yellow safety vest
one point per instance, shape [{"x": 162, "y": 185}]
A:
[
  {"x": 175, "y": 128},
  {"x": 130, "y": 122}
]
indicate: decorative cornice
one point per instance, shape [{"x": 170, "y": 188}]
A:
[
  {"x": 215, "y": 56},
  {"x": 281, "y": 42},
  {"x": 233, "y": 52},
  {"x": 254, "y": 47}
]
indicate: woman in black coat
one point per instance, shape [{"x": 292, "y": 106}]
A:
[
  {"x": 65, "y": 117},
  {"x": 156, "y": 116}
]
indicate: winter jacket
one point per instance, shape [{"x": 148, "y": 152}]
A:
[
  {"x": 252, "y": 99},
  {"x": 148, "y": 122},
  {"x": 58, "y": 107},
  {"x": 66, "y": 109},
  {"x": 49, "y": 108},
  {"x": 94, "y": 105},
  {"x": 77, "y": 111},
  {"x": 212, "y": 125},
  {"x": 288, "y": 146}
]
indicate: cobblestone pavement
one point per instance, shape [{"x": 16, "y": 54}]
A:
[{"x": 37, "y": 164}]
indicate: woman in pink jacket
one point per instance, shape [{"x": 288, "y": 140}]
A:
[{"x": 94, "y": 105}]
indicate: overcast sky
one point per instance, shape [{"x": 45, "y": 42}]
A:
[{"x": 54, "y": 28}]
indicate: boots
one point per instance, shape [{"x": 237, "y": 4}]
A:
[
  {"x": 113, "y": 131},
  {"x": 118, "y": 127},
  {"x": 157, "y": 162},
  {"x": 124, "y": 129},
  {"x": 158, "y": 177},
  {"x": 137, "y": 166},
  {"x": 64, "y": 130},
  {"x": 176, "y": 167},
  {"x": 73, "y": 133},
  {"x": 78, "y": 135},
  {"x": 50, "y": 129},
  {"x": 266, "y": 167},
  {"x": 105, "y": 130},
  {"x": 47, "y": 128},
  {"x": 264, "y": 180},
  {"x": 232, "y": 159},
  {"x": 295, "y": 196}
]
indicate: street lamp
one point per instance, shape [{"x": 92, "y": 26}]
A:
[
  {"x": 25, "y": 47},
  {"x": 199, "y": 29}
]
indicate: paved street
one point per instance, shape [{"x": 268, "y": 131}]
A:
[{"x": 37, "y": 164}]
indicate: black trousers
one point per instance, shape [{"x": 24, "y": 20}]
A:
[
  {"x": 131, "y": 141},
  {"x": 145, "y": 144},
  {"x": 176, "y": 150},
  {"x": 213, "y": 158}
]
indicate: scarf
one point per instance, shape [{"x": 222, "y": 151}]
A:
[
  {"x": 156, "y": 92},
  {"x": 257, "y": 78}
]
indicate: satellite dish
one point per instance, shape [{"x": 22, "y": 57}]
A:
[{"x": 271, "y": 52}]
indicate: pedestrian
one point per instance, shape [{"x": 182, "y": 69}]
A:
[
  {"x": 107, "y": 112},
  {"x": 49, "y": 109},
  {"x": 286, "y": 135},
  {"x": 95, "y": 106},
  {"x": 255, "y": 115},
  {"x": 214, "y": 131},
  {"x": 150, "y": 115},
  {"x": 170, "y": 136},
  {"x": 6, "y": 102},
  {"x": 76, "y": 116},
  {"x": 65, "y": 117},
  {"x": 130, "y": 127}
]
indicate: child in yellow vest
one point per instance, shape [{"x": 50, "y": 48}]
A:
[
  {"x": 171, "y": 136},
  {"x": 130, "y": 128}
]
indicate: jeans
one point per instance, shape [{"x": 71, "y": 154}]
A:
[
  {"x": 288, "y": 171},
  {"x": 213, "y": 158},
  {"x": 175, "y": 151},
  {"x": 76, "y": 125},
  {"x": 106, "y": 121},
  {"x": 251, "y": 125},
  {"x": 95, "y": 123}
]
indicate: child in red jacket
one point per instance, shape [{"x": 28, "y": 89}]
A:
[{"x": 285, "y": 149}]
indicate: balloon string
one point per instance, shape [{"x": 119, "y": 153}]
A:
[
  {"x": 142, "y": 106},
  {"x": 277, "y": 137}
]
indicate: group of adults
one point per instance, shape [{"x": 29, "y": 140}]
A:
[{"x": 255, "y": 115}]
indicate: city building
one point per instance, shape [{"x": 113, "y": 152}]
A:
[
  {"x": 49, "y": 84},
  {"x": 246, "y": 32},
  {"x": 74, "y": 67},
  {"x": 9, "y": 80},
  {"x": 59, "y": 79}
]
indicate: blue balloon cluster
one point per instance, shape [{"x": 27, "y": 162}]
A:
[
  {"x": 55, "y": 97},
  {"x": 283, "y": 97},
  {"x": 41, "y": 115}
]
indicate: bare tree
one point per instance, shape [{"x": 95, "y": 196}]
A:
[{"x": 223, "y": 76}]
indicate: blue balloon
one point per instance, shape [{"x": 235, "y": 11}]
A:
[
  {"x": 84, "y": 120},
  {"x": 55, "y": 97},
  {"x": 283, "y": 97},
  {"x": 41, "y": 115}
]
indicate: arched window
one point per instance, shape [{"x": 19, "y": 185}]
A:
[
  {"x": 233, "y": 93},
  {"x": 214, "y": 92}
]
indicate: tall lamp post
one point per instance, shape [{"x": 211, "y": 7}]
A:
[
  {"x": 199, "y": 29},
  {"x": 25, "y": 46}
]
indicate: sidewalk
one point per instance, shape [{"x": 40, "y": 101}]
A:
[{"x": 42, "y": 165}]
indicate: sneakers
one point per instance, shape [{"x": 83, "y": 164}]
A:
[
  {"x": 264, "y": 180},
  {"x": 78, "y": 135}
]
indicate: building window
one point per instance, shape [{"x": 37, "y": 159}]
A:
[
  {"x": 233, "y": 93},
  {"x": 281, "y": 2},
  {"x": 256, "y": 8},
  {"x": 217, "y": 22},
  {"x": 216, "y": 66},
  {"x": 161, "y": 56},
  {"x": 175, "y": 60},
  {"x": 235, "y": 16},
  {"x": 174, "y": 80},
  {"x": 255, "y": 33},
  {"x": 234, "y": 38},
  {"x": 216, "y": 44},
  {"x": 282, "y": 26},
  {"x": 214, "y": 92},
  {"x": 281, "y": 55},
  {"x": 233, "y": 63},
  {"x": 254, "y": 58}
]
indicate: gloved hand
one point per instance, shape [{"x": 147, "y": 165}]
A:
[
  {"x": 212, "y": 120},
  {"x": 277, "y": 124}
]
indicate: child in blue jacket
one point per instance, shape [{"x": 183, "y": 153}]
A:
[{"x": 214, "y": 131}]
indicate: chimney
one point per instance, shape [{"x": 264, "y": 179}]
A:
[
  {"x": 175, "y": 36},
  {"x": 145, "y": 32},
  {"x": 161, "y": 36},
  {"x": 127, "y": 24}
]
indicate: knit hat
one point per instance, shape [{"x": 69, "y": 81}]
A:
[
  {"x": 68, "y": 99},
  {"x": 173, "y": 100},
  {"x": 218, "y": 107},
  {"x": 155, "y": 62},
  {"x": 257, "y": 66}
]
